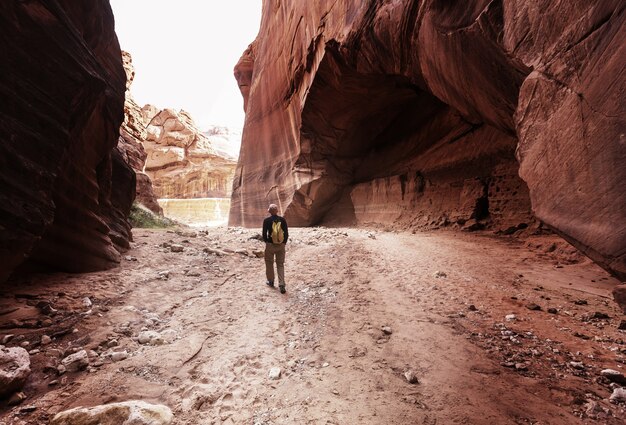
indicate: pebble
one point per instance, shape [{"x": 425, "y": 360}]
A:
[
  {"x": 16, "y": 398},
  {"x": 87, "y": 302},
  {"x": 77, "y": 361},
  {"x": 164, "y": 275},
  {"x": 118, "y": 356},
  {"x": 533, "y": 306},
  {"x": 619, "y": 394},
  {"x": 510, "y": 317},
  {"x": 274, "y": 373},
  {"x": 177, "y": 248},
  {"x": 440, "y": 274},
  {"x": 410, "y": 377},
  {"x": 614, "y": 376},
  {"x": 7, "y": 338},
  {"x": 577, "y": 365},
  {"x": 552, "y": 310},
  {"x": 386, "y": 330},
  {"x": 45, "y": 340},
  {"x": 150, "y": 338},
  {"x": 472, "y": 307}
]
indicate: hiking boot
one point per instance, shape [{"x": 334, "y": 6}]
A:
[
  {"x": 270, "y": 283},
  {"x": 282, "y": 289}
]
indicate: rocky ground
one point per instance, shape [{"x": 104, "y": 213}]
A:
[{"x": 376, "y": 328}]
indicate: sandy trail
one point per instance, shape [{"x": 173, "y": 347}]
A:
[{"x": 337, "y": 365}]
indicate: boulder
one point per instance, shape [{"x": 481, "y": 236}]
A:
[
  {"x": 14, "y": 369},
  {"x": 126, "y": 413}
]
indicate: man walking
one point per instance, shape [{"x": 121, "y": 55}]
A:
[{"x": 275, "y": 235}]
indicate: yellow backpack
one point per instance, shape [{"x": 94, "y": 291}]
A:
[{"x": 277, "y": 232}]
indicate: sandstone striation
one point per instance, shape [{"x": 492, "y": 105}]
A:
[
  {"x": 132, "y": 136},
  {"x": 432, "y": 113},
  {"x": 181, "y": 160},
  {"x": 65, "y": 190}
]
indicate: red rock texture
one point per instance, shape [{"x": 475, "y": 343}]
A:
[
  {"x": 428, "y": 112},
  {"x": 132, "y": 136},
  {"x": 65, "y": 189}
]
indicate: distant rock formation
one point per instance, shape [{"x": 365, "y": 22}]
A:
[
  {"x": 226, "y": 141},
  {"x": 427, "y": 113},
  {"x": 65, "y": 190},
  {"x": 181, "y": 161},
  {"x": 132, "y": 136}
]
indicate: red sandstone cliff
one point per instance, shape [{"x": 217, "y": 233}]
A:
[
  {"x": 65, "y": 190},
  {"x": 427, "y": 112},
  {"x": 132, "y": 136}
]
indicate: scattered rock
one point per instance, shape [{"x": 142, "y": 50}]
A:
[
  {"x": 386, "y": 330},
  {"x": 118, "y": 356},
  {"x": 552, "y": 310},
  {"x": 410, "y": 377},
  {"x": 440, "y": 274},
  {"x": 614, "y": 376},
  {"x": 7, "y": 338},
  {"x": 129, "y": 412},
  {"x": 580, "y": 302},
  {"x": 215, "y": 251},
  {"x": 164, "y": 275},
  {"x": 510, "y": 317},
  {"x": 533, "y": 306},
  {"x": 45, "y": 340},
  {"x": 77, "y": 361},
  {"x": 17, "y": 398},
  {"x": 472, "y": 307},
  {"x": 622, "y": 325},
  {"x": 61, "y": 369},
  {"x": 150, "y": 338},
  {"x": 28, "y": 409},
  {"x": 274, "y": 373},
  {"x": 577, "y": 365},
  {"x": 14, "y": 369},
  {"x": 177, "y": 248},
  {"x": 521, "y": 366},
  {"x": 619, "y": 394},
  {"x": 87, "y": 302}
]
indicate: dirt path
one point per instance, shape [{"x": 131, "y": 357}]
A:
[{"x": 443, "y": 296}]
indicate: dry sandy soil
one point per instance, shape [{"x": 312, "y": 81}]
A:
[{"x": 443, "y": 295}]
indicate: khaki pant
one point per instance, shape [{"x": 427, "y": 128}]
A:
[{"x": 277, "y": 250}]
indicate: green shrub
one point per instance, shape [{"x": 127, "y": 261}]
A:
[{"x": 142, "y": 218}]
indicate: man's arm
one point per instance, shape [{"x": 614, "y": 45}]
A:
[
  {"x": 285, "y": 231},
  {"x": 265, "y": 231}
]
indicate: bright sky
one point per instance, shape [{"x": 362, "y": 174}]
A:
[{"x": 184, "y": 52}]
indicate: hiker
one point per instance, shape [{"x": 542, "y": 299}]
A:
[{"x": 275, "y": 235}]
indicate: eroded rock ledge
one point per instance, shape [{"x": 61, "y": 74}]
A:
[
  {"x": 421, "y": 113},
  {"x": 65, "y": 190}
]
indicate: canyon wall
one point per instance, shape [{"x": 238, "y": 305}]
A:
[
  {"x": 434, "y": 113},
  {"x": 181, "y": 161},
  {"x": 65, "y": 189},
  {"x": 133, "y": 134}
]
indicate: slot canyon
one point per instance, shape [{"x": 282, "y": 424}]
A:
[{"x": 453, "y": 178}]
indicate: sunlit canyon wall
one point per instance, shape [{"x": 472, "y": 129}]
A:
[{"x": 435, "y": 113}]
